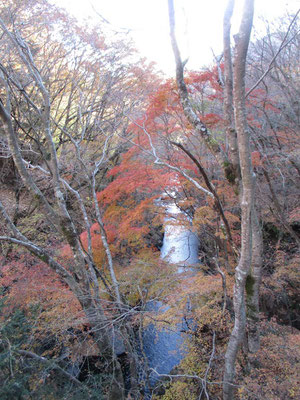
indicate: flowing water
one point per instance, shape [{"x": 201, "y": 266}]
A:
[
  {"x": 180, "y": 244},
  {"x": 164, "y": 348}
]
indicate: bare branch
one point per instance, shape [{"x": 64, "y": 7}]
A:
[
  {"x": 43, "y": 256},
  {"x": 204, "y": 382},
  {"x": 210, "y": 188},
  {"x": 283, "y": 44},
  {"x": 159, "y": 161},
  {"x": 50, "y": 363}
]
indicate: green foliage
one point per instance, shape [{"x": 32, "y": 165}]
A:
[
  {"x": 14, "y": 375},
  {"x": 24, "y": 378}
]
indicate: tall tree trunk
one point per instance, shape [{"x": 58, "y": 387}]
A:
[{"x": 247, "y": 198}]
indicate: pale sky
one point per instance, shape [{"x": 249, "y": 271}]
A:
[{"x": 199, "y": 24}]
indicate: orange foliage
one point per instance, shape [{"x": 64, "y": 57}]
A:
[{"x": 30, "y": 282}]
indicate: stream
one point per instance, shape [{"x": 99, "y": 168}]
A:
[
  {"x": 180, "y": 244},
  {"x": 163, "y": 348}
]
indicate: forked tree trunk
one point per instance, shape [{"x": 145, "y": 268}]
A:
[{"x": 254, "y": 278}]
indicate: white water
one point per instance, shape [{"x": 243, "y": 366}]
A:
[{"x": 180, "y": 244}]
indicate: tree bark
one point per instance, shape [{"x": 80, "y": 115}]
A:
[
  {"x": 233, "y": 173},
  {"x": 247, "y": 198},
  {"x": 253, "y": 284}
]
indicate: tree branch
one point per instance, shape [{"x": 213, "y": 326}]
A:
[
  {"x": 281, "y": 47},
  {"x": 44, "y": 360},
  {"x": 45, "y": 257},
  {"x": 209, "y": 186}
]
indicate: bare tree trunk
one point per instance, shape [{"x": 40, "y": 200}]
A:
[
  {"x": 247, "y": 198},
  {"x": 253, "y": 284},
  {"x": 233, "y": 175}
]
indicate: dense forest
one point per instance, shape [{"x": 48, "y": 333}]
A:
[{"x": 102, "y": 161}]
